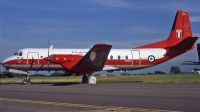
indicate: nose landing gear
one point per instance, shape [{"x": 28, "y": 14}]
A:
[{"x": 26, "y": 80}]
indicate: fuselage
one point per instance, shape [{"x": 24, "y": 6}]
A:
[{"x": 118, "y": 59}]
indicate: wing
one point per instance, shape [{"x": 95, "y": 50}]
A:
[{"x": 94, "y": 60}]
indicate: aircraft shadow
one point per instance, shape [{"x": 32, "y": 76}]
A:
[
  {"x": 65, "y": 83},
  {"x": 41, "y": 83}
]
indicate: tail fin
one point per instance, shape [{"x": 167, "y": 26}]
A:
[{"x": 181, "y": 29}]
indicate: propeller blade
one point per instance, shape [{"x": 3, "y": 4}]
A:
[{"x": 48, "y": 56}]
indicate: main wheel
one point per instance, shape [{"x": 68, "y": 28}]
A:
[
  {"x": 92, "y": 79},
  {"x": 85, "y": 79}
]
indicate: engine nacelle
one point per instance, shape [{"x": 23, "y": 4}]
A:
[
  {"x": 17, "y": 71},
  {"x": 63, "y": 58}
]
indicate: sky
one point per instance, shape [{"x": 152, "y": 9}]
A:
[{"x": 83, "y": 23}]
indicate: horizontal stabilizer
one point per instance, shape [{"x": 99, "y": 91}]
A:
[
  {"x": 191, "y": 63},
  {"x": 183, "y": 46},
  {"x": 187, "y": 43}
]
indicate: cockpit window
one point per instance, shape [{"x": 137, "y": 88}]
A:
[{"x": 18, "y": 53}]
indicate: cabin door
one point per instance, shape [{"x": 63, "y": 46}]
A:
[
  {"x": 135, "y": 57},
  {"x": 33, "y": 59}
]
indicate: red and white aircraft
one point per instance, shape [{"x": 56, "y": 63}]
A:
[{"x": 76, "y": 61}]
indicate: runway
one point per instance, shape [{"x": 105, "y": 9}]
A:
[{"x": 102, "y": 97}]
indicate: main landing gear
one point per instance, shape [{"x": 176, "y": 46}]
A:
[{"x": 90, "y": 79}]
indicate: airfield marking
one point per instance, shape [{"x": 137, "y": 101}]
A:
[{"x": 83, "y": 105}]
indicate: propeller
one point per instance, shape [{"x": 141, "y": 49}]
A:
[{"x": 48, "y": 57}]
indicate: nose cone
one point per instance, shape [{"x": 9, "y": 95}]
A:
[
  {"x": 6, "y": 61},
  {"x": 2, "y": 63}
]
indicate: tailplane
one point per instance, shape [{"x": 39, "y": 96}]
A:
[{"x": 181, "y": 30}]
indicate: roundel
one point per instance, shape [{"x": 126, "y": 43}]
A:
[
  {"x": 92, "y": 55},
  {"x": 151, "y": 58}
]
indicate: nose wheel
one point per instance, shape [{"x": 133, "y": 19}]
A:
[{"x": 26, "y": 80}]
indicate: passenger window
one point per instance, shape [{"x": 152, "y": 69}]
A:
[
  {"x": 126, "y": 57},
  {"x": 111, "y": 56},
  {"x": 119, "y": 57}
]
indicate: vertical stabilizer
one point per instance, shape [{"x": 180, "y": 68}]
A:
[{"x": 181, "y": 28}]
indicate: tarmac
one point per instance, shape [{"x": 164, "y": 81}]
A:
[{"x": 100, "y": 97}]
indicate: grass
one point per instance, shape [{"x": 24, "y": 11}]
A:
[
  {"x": 192, "y": 78},
  {"x": 44, "y": 79},
  {"x": 152, "y": 78}
]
